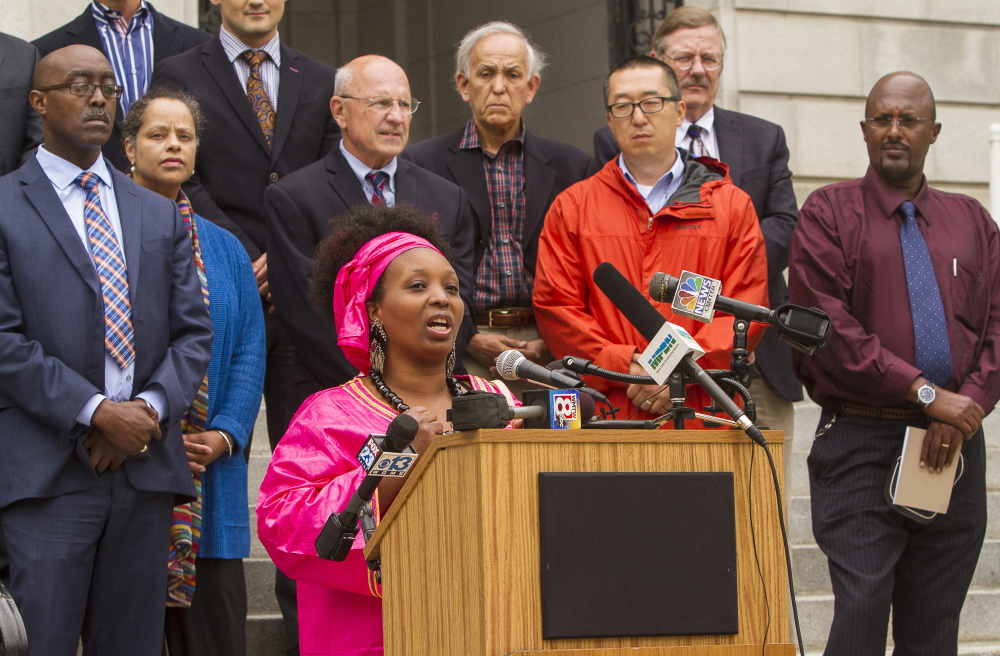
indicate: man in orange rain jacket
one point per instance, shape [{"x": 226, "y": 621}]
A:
[{"x": 652, "y": 209}]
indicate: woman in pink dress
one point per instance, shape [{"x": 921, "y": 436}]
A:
[{"x": 397, "y": 311}]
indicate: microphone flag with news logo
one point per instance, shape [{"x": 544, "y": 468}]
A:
[{"x": 695, "y": 296}]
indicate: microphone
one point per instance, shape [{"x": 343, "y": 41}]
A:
[
  {"x": 380, "y": 456},
  {"x": 696, "y": 296},
  {"x": 644, "y": 317},
  {"x": 541, "y": 409},
  {"x": 512, "y": 365}
]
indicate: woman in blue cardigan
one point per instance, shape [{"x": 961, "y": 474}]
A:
[{"x": 207, "y": 601}]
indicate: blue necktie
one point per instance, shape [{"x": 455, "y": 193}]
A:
[
  {"x": 930, "y": 328},
  {"x": 378, "y": 180},
  {"x": 697, "y": 145},
  {"x": 118, "y": 337}
]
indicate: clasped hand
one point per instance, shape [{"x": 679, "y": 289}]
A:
[
  {"x": 956, "y": 419},
  {"x": 120, "y": 430}
]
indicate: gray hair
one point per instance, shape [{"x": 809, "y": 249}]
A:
[
  {"x": 342, "y": 80},
  {"x": 536, "y": 58}
]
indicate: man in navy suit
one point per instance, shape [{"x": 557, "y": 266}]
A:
[
  {"x": 691, "y": 41},
  {"x": 104, "y": 339},
  {"x": 134, "y": 37},
  {"x": 511, "y": 177},
  {"x": 267, "y": 111},
  {"x": 373, "y": 107}
]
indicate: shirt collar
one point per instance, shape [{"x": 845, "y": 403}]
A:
[
  {"x": 361, "y": 169},
  {"x": 706, "y": 122},
  {"x": 676, "y": 171},
  {"x": 105, "y": 14},
  {"x": 889, "y": 199},
  {"x": 470, "y": 138},
  {"x": 234, "y": 47},
  {"x": 62, "y": 172}
]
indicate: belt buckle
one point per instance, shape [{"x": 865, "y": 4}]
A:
[{"x": 499, "y": 313}]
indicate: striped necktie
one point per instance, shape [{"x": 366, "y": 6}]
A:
[
  {"x": 930, "y": 327},
  {"x": 261, "y": 104},
  {"x": 119, "y": 339},
  {"x": 377, "y": 180},
  {"x": 697, "y": 145}
]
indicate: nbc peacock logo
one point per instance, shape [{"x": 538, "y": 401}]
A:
[{"x": 690, "y": 292}]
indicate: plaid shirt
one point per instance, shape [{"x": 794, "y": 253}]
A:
[
  {"x": 501, "y": 280},
  {"x": 129, "y": 48}
]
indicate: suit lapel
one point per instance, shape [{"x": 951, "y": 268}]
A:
[
  {"x": 38, "y": 189},
  {"x": 538, "y": 181},
  {"x": 466, "y": 167},
  {"x": 130, "y": 214},
  {"x": 730, "y": 139},
  {"x": 84, "y": 30},
  {"x": 219, "y": 67},
  {"x": 406, "y": 185},
  {"x": 163, "y": 38},
  {"x": 343, "y": 180},
  {"x": 288, "y": 98}
]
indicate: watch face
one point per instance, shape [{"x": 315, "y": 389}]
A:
[{"x": 926, "y": 395}]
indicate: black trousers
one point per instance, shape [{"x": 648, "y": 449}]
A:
[
  {"x": 280, "y": 360},
  {"x": 878, "y": 558},
  {"x": 215, "y": 624}
]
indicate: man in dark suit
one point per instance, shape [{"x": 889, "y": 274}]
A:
[
  {"x": 134, "y": 37},
  {"x": 21, "y": 129},
  {"x": 691, "y": 41},
  {"x": 373, "y": 108},
  {"x": 267, "y": 111},
  {"x": 511, "y": 177},
  {"x": 104, "y": 339}
]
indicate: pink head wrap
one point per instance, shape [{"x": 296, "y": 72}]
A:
[{"x": 356, "y": 281}]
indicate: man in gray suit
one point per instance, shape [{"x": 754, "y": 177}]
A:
[
  {"x": 104, "y": 339},
  {"x": 21, "y": 127},
  {"x": 691, "y": 41}
]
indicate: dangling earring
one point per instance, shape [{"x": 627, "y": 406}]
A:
[
  {"x": 377, "y": 346},
  {"x": 449, "y": 367}
]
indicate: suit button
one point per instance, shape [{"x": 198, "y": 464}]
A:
[{"x": 273, "y": 177}]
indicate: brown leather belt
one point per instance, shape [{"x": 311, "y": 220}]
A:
[
  {"x": 876, "y": 412},
  {"x": 506, "y": 317}
]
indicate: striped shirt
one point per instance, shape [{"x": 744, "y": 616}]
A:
[
  {"x": 270, "y": 69},
  {"x": 129, "y": 48},
  {"x": 502, "y": 280}
]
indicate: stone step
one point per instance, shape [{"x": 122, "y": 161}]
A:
[
  {"x": 979, "y": 618},
  {"x": 265, "y": 635},
  {"x": 812, "y": 576},
  {"x": 260, "y": 586}
]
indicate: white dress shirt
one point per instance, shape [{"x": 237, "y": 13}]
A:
[
  {"x": 708, "y": 136},
  {"x": 361, "y": 170}
]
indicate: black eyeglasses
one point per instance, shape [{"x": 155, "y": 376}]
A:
[
  {"x": 647, "y": 105},
  {"x": 87, "y": 89}
]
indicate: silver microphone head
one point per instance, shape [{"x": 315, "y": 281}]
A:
[{"x": 507, "y": 364}]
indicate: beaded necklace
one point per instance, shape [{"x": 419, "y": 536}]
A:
[{"x": 454, "y": 387}]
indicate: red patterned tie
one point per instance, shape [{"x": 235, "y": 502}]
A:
[{"x": 261, "y": 104}]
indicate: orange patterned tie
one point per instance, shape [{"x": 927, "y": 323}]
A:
[{"x": 259, "y": 101}]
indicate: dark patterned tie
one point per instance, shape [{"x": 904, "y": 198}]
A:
[
  {"x": 697, "y": 145},
  {"x": 930, "y": 328},
  {"x": 118, "y": 337},
  {"x": 259, "y": 101},
  {"x": 377, "y": 180}
]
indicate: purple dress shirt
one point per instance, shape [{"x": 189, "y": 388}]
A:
[{"x": 846, "y": 259}]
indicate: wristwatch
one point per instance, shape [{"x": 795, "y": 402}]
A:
[{"x": 926, "y": 394}]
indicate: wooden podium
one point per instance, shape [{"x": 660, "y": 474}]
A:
[{"x": 460, "y": 545}]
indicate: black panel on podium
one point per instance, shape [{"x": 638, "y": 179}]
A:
[{"x": 637, "y": 554}]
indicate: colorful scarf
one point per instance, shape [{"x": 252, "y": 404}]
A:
[
  {"x": 356, "y": 281},
  {"x": 185, "y": 530}
]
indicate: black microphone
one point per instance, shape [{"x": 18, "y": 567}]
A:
[
  {"x": 490, "y": 410},
  {"x": 663, "y": 288},
  {"x": 641, "y": 314},
  {"x": 512, "y": 365},
  {"x": 335, "y": 540},
  {"x": 805, "y": 329}
]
